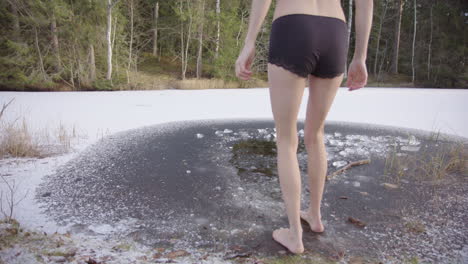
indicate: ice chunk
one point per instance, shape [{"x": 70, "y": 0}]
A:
[
  {"x": 410, "y": 148},
  {"x": 227, "y": 131},
  {"x": 335, "y": 142},
  {"x": 413, "y": 141},
  {"x": 337, "y": 134},
  {"x": 339, "y": 163},
  {"x": 244, "y": 134},
  {"x": 199, "y": 135},
  {"x": 301, "y": 132}
]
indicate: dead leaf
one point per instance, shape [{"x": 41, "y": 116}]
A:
[
  {"x": 356, "y": 221},
  {"x": 176, "y": 254},
  {"x": 390, "y": 185},
  {"x": 160, "y": 250}
]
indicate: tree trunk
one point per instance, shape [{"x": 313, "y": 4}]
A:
[
  {"x": 350, "y": 24},
  {"x": 185, "y": 43},
  {"x": 430, "y": 46},
  {"x": 414, "y": 42},
  {"x": 382, "y": 19},
  {"x": 41, "y": 62},
  {"x": 189, "y": 34},
  {"x": 108, "y": 37},
  {"x": 110, "y": 43},
  {"x": 114, "y": 31},
  {"x": 55, "y": 42},
  {"x": 182, "y": 57},
  {"x": 241, "y": 25},
  {"x": 396, "y": 44},
  {"x": 200, "y": 39},
  {"x": 16, "y": 25},
  {"x": 92, "y": 64},
  {"x": 130, "y": 48},
  {"x": 155, "y": 30},
  {"x": 218, "y": 27}
]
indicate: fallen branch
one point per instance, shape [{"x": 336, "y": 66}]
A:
[
  {"x": 355, "y": 163},
  {"x": 4, "y": 107}
]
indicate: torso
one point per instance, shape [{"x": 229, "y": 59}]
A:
[{"x": 331, "y": 8}]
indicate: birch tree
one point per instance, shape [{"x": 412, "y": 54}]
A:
[
  {"x": 201, "y": 20},
  {"x": 218, "y": 27},
  {"x": 155, "y": 29},
  {"x": 55, "y": 42},
  {"x": 110, "y": 5},
  {"x": 379, "y": 34},
  {"x": 186, "y": 20},
  {"x": 350, "y": 24},
  {"x": 430, "y": 42},
  {"x": 396, "y": 43},
  {"x": 130, "y": 46},
  {"x": 414, "y": 42}
]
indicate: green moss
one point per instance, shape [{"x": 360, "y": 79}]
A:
[
  {"x": 254, "y": 146},
  {"x": 415, "y": 227},
  {"x": 266, "y": 171},
  {"x": 413, "y": 260},
  {"x": 298, "y": 259}
]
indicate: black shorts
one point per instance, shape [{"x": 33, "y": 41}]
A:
[{"x": 309, "y": 44}]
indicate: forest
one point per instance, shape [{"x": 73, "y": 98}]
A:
[{"x": 74, "y": 45}]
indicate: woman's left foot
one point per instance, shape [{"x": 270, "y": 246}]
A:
[{"x": 292, "y": 242}]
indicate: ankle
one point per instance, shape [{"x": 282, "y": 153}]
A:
[
  {"x": 315, "y": 213},
  {"x": 296, "y": 231}
]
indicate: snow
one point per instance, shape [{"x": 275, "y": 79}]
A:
[{"x": 101, "y": 113}]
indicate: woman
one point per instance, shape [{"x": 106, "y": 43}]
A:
[{"x": 308, "y": 39}]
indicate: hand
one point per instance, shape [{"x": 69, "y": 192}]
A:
[
  {"x": 357, "y": 75},
  {"x": 244, "y": 61}
]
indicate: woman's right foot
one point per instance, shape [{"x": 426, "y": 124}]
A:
[
  {"x": 292, "y": 242},
  {"x": 314, "y": 222}
]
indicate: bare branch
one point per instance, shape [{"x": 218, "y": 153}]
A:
[{"x": 4, "y": 107}]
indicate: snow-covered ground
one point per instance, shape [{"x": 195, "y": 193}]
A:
[{"x": 97, "y": 114}]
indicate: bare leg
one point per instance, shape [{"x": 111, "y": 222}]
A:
[
  {"x": 321, "y": 95},
  {"x": 286, "y": 90}
]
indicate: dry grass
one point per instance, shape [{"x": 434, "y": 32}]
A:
[
  {"x": 145, "y": 81},
  {"x": 197, "y": 84},
  {"x": 18, "y": 140},
  {"x": 429, "y": 165}
]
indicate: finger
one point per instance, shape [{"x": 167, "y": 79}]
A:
[
  {"x": 244, "y": 76},
  {"x": 247, "y": 73}
]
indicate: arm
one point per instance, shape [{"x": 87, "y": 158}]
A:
[
  {"x": 245, "y": 59},
  {"x": 363, "y": 20},
  {"x": 257, "y": 15},
  {"x": 357, "y": 72}
]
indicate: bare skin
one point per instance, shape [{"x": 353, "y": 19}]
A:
[{"x": 286, "y": 91}]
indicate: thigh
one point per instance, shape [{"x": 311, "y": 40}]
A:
[
  {"x": 322, "y": 92},
  {"x": 286, "y": 91}
]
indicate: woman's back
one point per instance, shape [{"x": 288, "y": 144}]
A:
[{"x": 330, "y": 8}]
